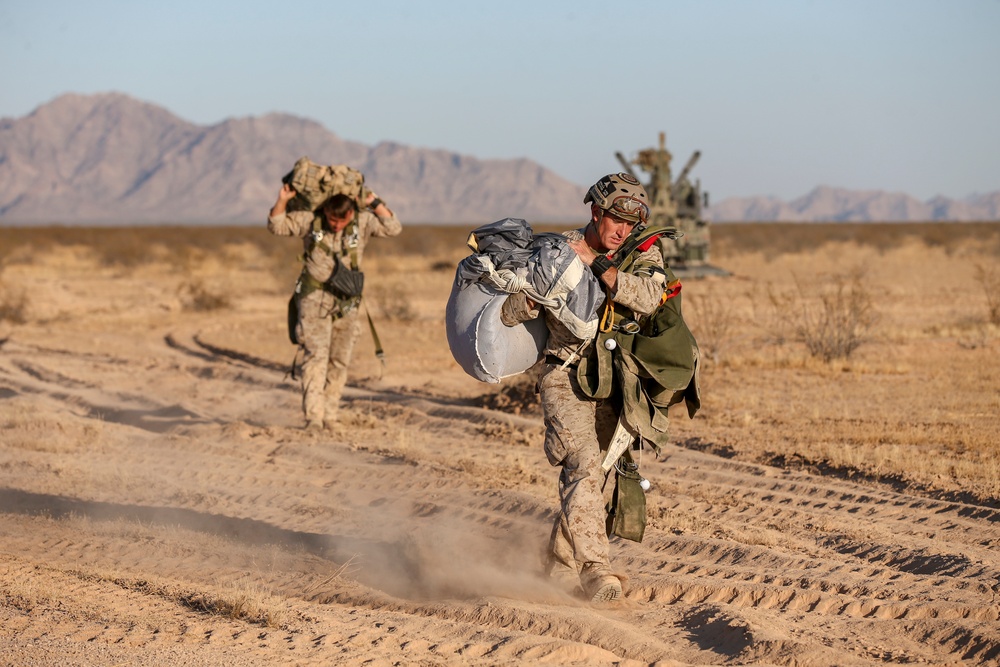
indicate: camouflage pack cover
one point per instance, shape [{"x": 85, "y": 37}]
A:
[{"x": 315, "y": 183}]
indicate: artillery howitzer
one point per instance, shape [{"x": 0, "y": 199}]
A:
[{"x": 676, "y": 203}]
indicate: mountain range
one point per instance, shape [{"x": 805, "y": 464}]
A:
[
  {"x": 825, "y": 204},
  {"x": 111, "y": 159}
]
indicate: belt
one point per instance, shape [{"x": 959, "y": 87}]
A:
[{"x": 553, "y": 360}]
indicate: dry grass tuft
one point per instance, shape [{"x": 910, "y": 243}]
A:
[
  {"x": 832, "y": 317},
  {"x": 516, "y": 395},
  {"x": 713, "y": 322},
  {"x": 13, "y": 306},
  {"x": 989, "y": 279},
  {"x": 26, "y": 594},
  {"x": 198, "y": 297},
  {"x": 243, "y": 599},
  {"x": 395, "y": 304}
]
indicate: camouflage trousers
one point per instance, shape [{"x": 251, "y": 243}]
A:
[
  {"x": 577, "y": 429},
  {"x": 327, "y": 339}
]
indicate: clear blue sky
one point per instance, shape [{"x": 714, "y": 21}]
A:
[{"x": 779, "y": 95}]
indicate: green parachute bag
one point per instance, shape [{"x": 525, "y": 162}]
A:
[
  {"x": 627, "y": 510},
  {"x": 315, "y": 183}
]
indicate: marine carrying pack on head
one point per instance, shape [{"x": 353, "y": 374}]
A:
[{"x": 315, "y": 183}]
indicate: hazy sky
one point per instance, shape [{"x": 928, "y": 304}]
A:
[{"x": 779, "y": 95}]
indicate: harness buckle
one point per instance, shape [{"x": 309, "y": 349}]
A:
[{"x": 628, "y": 326}]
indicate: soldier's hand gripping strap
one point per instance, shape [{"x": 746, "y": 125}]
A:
[{"x": 345, "y": 282}]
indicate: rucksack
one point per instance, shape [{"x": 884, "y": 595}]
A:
[{"x": 315, "y": 183}]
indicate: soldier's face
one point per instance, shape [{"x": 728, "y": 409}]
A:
[
  {"x": 337, "y": 224},
  {"x": 611, "y": 230}
]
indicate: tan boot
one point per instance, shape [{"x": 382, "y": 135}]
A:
[{"x": 605, "y": 588}]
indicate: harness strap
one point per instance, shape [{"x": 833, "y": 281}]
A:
[{"x": 307, "y": 284}]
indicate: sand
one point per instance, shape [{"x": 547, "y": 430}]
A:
[{"x": 160, "y": 505}]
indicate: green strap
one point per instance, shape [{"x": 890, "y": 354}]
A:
[
  {"x": 594, "y": 372},
  {"x": 379, "y": 352}
]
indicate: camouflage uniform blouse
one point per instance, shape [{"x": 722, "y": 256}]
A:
[
  {"x": 639, "y": 290},
  {"x": 318, "y": 262}
]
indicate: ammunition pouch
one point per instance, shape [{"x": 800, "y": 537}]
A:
[
  {"x": 627, "y": 510},
  {"x": 345, "y": 282}
]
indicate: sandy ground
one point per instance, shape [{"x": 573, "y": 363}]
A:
[{"x": 160, "y": 505}]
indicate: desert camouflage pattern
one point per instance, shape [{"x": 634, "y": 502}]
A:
[
  {"x": 327, "y": 337},
  {"x": 577, "y": 429},
  {"x": 327, "y": 332},
  {"x": 318, "y": 260},
  {"x": 315, "y": 183},
  {"x": 640, "y": 293}
]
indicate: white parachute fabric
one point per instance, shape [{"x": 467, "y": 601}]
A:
[
  {"x": 558, "y": 273},
  {"x": 481, "y": 344},
  {"x": 509, "y": 259}
]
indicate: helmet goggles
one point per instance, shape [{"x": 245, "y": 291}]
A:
[{"x": 629, "y": 209}]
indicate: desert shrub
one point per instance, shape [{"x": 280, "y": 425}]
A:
[
  {"x": 243, "y": 599},
  {"x": 989, "y": 279},
  {"x": 200, "y": 298},
  {"x": 832, "y": 318},
  {"x": 394, "y": 303},
  {"x": 713, "y": 324},
  {"x": 13, "y": 306}
]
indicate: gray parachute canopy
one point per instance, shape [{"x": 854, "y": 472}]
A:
[
  {"x": 543, "y": 266},
  {"x": 510, "y": 258}
]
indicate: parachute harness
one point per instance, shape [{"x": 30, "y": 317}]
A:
[{"x": 508, "y": 281}]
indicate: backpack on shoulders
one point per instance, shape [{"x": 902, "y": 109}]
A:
[{"x": 315, "y": 183}]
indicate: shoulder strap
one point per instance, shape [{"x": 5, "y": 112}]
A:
[
  {"x": 353, "y": 230},
  {"x": 641, "y": 240}
]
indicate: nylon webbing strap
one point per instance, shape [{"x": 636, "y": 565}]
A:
[
  {"x": 379, "y": 352},
  {"x": 596, "y": 382}
]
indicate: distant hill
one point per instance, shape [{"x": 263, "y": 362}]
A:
[
  {"x": 112, "y": 159},
  {"x": 840, "y": 205},
  {"x": 109, "y": 158}
]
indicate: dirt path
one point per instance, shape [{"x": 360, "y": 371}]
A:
[{"x": 160, "y": 505}]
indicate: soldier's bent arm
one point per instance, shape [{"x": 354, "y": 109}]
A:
[
  {"x": 381, "y": 226},
  {"x": 516, "y": 309},
  {"x": 290, "y": 223},
  {"x": 642, "y": 286}
]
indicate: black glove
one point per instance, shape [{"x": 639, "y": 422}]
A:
[{"x": 345, "y": 282}]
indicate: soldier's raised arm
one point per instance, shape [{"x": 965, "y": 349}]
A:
[
  {"x": 281, "y": 222},
  {"x": 385, "y": 222}
]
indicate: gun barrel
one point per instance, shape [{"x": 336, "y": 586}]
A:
[
  {"x": 692, "y": 161},
  {"x": 625, "y": 164}
]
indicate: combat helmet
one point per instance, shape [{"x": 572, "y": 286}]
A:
[{"x": 622, "y": 195}]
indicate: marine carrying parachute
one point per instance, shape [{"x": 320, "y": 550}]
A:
[{"x": 510, "y": 258}]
